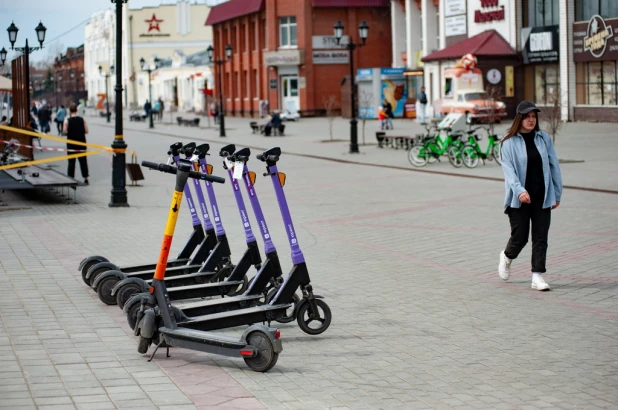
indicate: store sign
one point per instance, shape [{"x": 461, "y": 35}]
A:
[
  {"x": 454, "y": 7},
  {"x": 540, "y": 44},
  {"x": 595, "y": 40},
  {"x": 272, "y": 83},
  {"x": 484, "y": 16},
  {"x": 331, "y": 57},
  {"x": 494, "y": 76},
  {"x": 325, "y": 42},
  {"x": 455, "y": 26},
  {"x": 284, "y": 57}
]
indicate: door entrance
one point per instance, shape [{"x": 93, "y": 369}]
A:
[{"x": 290, "y": 101}]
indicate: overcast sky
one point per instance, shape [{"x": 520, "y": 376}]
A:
[{"x": 64, "y": 19}]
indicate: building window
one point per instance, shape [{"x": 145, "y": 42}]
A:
[
  {"x": 539, "y": 13},
  {"x": 546, "y": 82},
  {"x": 287, "y": 32},
  {"x": 597, "y": 83},
  {"x": 585, "y": 9}
]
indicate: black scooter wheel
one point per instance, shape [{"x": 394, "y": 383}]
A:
[
  {"x": 306, "y": 317},
  {"x": 104, "y": 290},
  {"x": 90, "y": 265},
  {"x": 289, "y": 317},
  {"x": 126, "y": 292},
  {"x": 132, "y": 315},
  {"x": 241, "y": 289},
  {"x": 266, "y": 357},
  {"x": 95, "y": 274},
  {"x": 143, "y": 345}
]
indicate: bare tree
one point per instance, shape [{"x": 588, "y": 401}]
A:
[
  {"x": 329, "y": 105},
  {"x": 365, "y": 102},
  {"x": 53, "y": 50},
  {"x": 494, "y": 95},
  {"x": 552, "y": 113}
]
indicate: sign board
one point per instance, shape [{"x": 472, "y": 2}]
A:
[
  {"x": 326, "y": 42},
  {"x": 509, "y": 78},
  {"x": 302, "y": 82},
  {"x": 454, "y": 7},
  {"x": 595, "y": 40},
  {"x": 494, "y": 76},
  {"x": 491, "y": 10},
  {"x": 331, "y": 57},
  {"x": 455, "y": 26},
  {"x": 454, "y": 121},
  {"x": 272, "y": 83},
  {"x": 284, "y": 57},
  {"x": 540, "y": 44}
]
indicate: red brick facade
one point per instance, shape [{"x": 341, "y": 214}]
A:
[
  {"x": 69, "y": 74},
  {"x": 246, "y": 78}
]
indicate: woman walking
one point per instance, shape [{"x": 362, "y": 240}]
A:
[{"x": 533, "y": 185}]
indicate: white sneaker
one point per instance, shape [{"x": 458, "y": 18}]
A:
[
  {"x": 504, "y": 267},
  {"x": 539, "y": 283}
]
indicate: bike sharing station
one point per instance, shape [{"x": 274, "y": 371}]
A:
[{"x": 184, "y": 302}]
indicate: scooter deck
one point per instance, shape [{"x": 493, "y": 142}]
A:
[
  {"x": 197, "y": 336},
  {"x": 233, "y": 318},
  {"x": 208, "y": 307},
  {"x": 196, "y": 278},
  {"x": 201, "y": 291},
  {"x": 169, "y": 272},
  {"x": 152, "y": 266}
]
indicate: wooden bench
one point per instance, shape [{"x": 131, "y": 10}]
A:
[{"x": 395, "y": 141}]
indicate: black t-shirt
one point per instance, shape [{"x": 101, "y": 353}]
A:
[{"x": 535, "y": 183}]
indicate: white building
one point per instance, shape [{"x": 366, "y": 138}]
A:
[{"x": 99, "y": 51}]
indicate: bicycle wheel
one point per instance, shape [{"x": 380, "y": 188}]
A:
[
  {"x": 470, "y": 156},
  {"x": 495, "y": 152},
  {"x": 418, "y": 155},
  {"x": 454, "y": 156}
]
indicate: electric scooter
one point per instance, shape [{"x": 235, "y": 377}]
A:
[
  {"x": 116, "y": 287},
  {"x": 311, "y": 308},
  {"x": 269, "y": 277},
  {"x": 194, "y": 285},
  {"x": 259, "y": 345}
]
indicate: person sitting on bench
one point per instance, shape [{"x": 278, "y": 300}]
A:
[{"x": 275, "y": 122}]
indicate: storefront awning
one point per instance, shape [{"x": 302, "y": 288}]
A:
[
  {"x": 351, "y": 3},
  {"x": 485, "y": 44},
  {"x": 232, "y": 9}
]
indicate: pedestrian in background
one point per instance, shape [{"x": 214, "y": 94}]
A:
[
  {"x": 45, "y": 118},
  {"x": 422, "y": 106},
  {"x": 76, "y": 128},
  {"x": 61, "y": 114},
  {"x": 533, "y": 185}
]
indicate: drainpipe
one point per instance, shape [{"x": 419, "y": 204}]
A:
[{"x": 133, "y": 85}]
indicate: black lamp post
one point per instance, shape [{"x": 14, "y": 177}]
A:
[
  {"x": 26, "y": 50},
  {"x": 107, "y": 75},
  {"x": 363, "y": 31},
  {"x": 219, "y": 62},
  {"x": 146, "y": 67},
  {"x": 119, "y": 190},
  {"x": 2, "y": 56}
]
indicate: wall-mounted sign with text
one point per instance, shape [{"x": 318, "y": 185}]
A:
[
  {"x": 154, "y": 27},
  {"x": 540, "y": 44},
  {"x": 595, "y": 40},
  {"x": 331, "y": 57},
  {"x": 491, "y": 10},
  {"x": 454, "y": 7},
  {"x": 324, "y": 42},
  {"x": 284, "y": 57}
]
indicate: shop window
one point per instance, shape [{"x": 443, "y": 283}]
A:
[
  {"x": 448, "y": 87},
  {"x": 539, "y": 13},
  {"x": 546, "y": 82},
  {"x": 287, "y": 32},
  {"x": 585, "y": 9},
  {"x": 597, "y": 83}
]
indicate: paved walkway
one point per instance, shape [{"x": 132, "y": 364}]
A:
[{"x": 405, "y": 260}]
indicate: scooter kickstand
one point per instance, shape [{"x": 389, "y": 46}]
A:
[{"x": 167, "y": 353}]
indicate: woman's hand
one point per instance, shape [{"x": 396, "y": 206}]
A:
[
  {"x": 556, "y": 206},
  {"x": 524, "y": 197}
]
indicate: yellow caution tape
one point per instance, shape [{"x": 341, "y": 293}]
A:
[{"x": 42, "y": 161}]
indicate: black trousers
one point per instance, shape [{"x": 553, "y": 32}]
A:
[
  {"x": 83, "y": 163},
  {"x": 521, "y": 219}
]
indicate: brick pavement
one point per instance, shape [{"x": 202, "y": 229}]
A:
[{"x": 405, "y": 260}]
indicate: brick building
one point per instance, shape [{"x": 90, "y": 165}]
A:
[
  {"x": 284, "y": 51},
  {"x": 69, "y": 76}
]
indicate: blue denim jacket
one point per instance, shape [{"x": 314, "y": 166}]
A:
[{"x": 514, "y": 165}]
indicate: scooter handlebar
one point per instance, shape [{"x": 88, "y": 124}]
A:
[
  {"x": 264, "y": 158},
  {"x": 172, "y": 170}
]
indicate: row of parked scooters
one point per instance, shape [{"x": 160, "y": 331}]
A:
[{"x": 178, "y": 303}]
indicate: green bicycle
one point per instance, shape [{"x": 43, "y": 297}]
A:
[
  {"x": 431, "y": 147},
  {"x": 472, "y": 152}
]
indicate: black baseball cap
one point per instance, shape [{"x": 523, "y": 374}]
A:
[{"x": 525, "y": 107}]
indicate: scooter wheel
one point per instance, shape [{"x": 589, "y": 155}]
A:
[
  {"x": 132, "y": 315},
  {"x": 97, "y": 272},
  {"x": 306, "y": 317},
  {"x": 126, "y": 292},
  {"x": 143, "y": 345},
  {"x": 241, "y": 289},
  {"x": 90, "y": 265},
  {"x": 266, "y": 357},
  {"x": 104, "y": 290}
]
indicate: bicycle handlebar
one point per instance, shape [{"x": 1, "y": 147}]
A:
[{"x": 168, "y": 169}]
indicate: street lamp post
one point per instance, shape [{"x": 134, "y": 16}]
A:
[
  {"x": 146, "y": 67},
  {"x": 2, "y": 56},
  {"x": 26, "y": 50},
  {"x": 119, "y": 190},
  {"x": 107, "y": 75},
  {"x": 363, "y": 31},
  {"x": 219, "y": 62}
]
